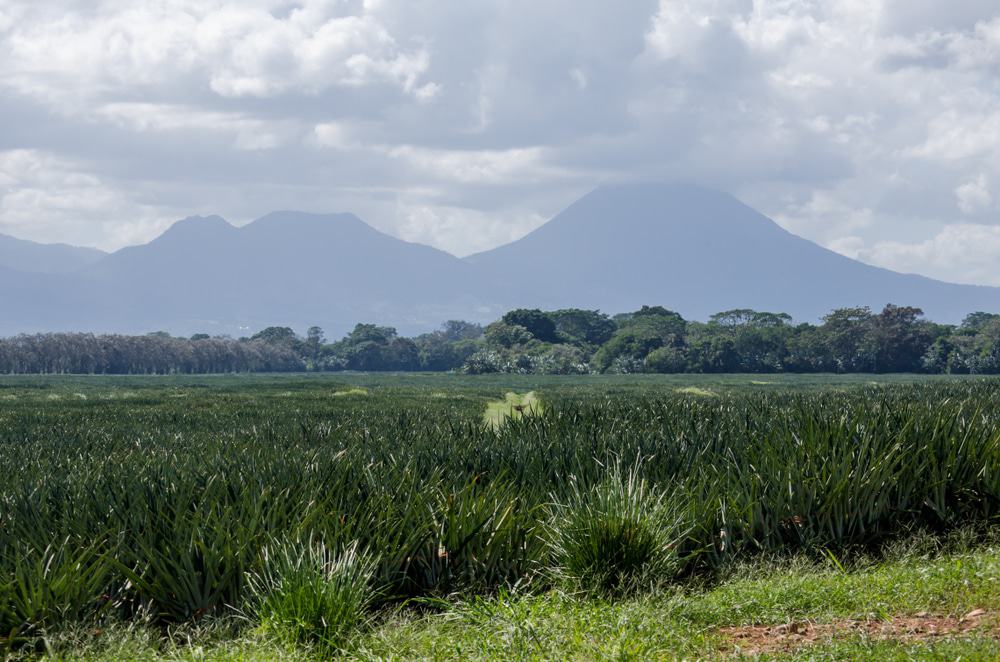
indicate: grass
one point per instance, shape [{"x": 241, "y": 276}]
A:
[
  {"x": 619, "y": 536},
  {"x": 216, "y": 641},
  {"x": 672, "y": 623},
  {"x": 308, "y": 594},
  {"x": 685, "y": 622}
]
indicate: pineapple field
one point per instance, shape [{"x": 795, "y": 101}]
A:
[{"x": 309, "y": 509}]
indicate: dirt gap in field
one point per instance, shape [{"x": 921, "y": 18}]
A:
[{"x": 761, "y": 639}]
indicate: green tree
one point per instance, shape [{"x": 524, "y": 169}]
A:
[
  {"x": 749, "y": 318},
  {"x": 975, "y": 346},
  {"x": 898, "y": 339},
  {"x": 639, "y": 334},
  {"x": 976, "y": 321},
  {"x": 314, "y": 344},
  {"x": 759, "y": 339},
  {"x": 583, "y": 328},
  {"x": 439, "y": 354},
  {"x": 711, "y": 348},
  {"x": 276, "y": 335},
  {"x": 455, "y": 330},
  {"x": 539, "y": 324},
  {"x": 502, "y": 334},
  {"x": 807, "y": 351},
  {"x": 370, "y": 333},
  {"x": 845, "y": 330},
  {"x": 665, "y": 360}
]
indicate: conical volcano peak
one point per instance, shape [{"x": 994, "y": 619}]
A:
[
  {"x": 658, "y": 204},
  {"x": 195, "y": 226},
  {"x": 201, "y": 222},
  {"x": 652, "y": 188},
  {"x": 651, "y": 220},
  {"x": 697, "y": 251}
]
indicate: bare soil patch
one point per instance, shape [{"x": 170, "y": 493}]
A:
[{"x": 761, "y": 639}]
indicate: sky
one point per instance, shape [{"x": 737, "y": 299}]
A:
[{"x": 869, "y": 126}]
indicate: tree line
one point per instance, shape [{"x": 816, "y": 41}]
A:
[
  {"x": 569, "y": 341},
  {"x": 152, "y": 354}
]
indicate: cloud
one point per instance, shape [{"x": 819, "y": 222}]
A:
[
  {"x": 974, "y": 196},
  {"x": 236, "y": 49},
  {"x": 957, "y": 135},
  {"x": 248, "y": 133},
  {"x": 42, "y": 194},
  {"x": 462, "y": 231},
  {"x": 266, "y": 56},
  {"x": 869, "y": 126},
  {"x": 840, "y": 221},
  {"x": 959, "y": 252},
  {"x": 699, "y": 34},
  {"x": 910, "y": 17},
  {"x": 475, "y": 166},
  {"x": 335, "y": 135}
]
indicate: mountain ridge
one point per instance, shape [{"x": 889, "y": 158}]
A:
[
  {"x": 689, "y": 248},
  {"x": 35, "y": 257},
  {"x": 714, "y": 253}
]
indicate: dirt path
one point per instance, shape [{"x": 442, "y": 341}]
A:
[{"x": 760, "y": 639}]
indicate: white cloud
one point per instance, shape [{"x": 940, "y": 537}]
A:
[
  {"x": 851, "y": 246},
  {"x": 475, "y": 166},
  {"x": 427, "y": 92},
  {"x": 462, "y": 231},
  {"x": 686, "y": 31},
  {"x": 959, "y": 134},
  {"x": 974, "y": 196},
  {"x": 248, "y": 133},
  {"x": 334, "y": 135},
  {"x": 269, "y": 56},
  {"x": 909, "y": 17},
  {"x": 959, "y": 252},
  {"x": 237, "y": 49},
  {"x": 42, "y": 196},
  {"x": 828, "y": 219}
]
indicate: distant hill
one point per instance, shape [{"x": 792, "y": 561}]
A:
[
  {"x": 286, "y": 268},
  {"x": 687, "y": 248},
  {"x": 698, "y": 252},
  {"x": 32, "y": 257}
]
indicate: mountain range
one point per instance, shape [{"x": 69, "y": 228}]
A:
[
  {"x": 33, "y": 257},
  {"x": 690, "y": 249}
]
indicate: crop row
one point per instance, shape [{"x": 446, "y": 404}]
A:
[{"x": 174, "y": 511}]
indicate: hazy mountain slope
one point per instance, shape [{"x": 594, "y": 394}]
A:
[
  {"x": 31, "y": 303},
  {"x": 33, "y": 257},
  {"x": 698, "y": 252},
  {"x": 690, "y": 249},
  {"x": 285, "y": 268}
]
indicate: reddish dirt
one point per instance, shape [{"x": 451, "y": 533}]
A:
[{"x": 760, "y": 639}]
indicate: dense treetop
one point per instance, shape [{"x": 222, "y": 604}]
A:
[{"x": 568, "y": 341}]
